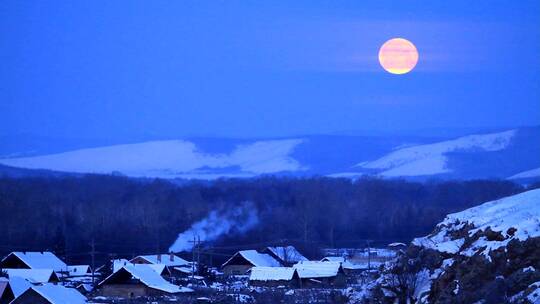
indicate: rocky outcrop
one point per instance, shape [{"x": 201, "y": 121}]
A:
[{"x": 486, "y": 254}]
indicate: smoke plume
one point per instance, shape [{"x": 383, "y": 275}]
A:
[{"x": 237, "y": 220}]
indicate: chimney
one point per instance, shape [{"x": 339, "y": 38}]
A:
[
  {"x": 159, "y": 257},
  {"x": 171, "y": 256}
]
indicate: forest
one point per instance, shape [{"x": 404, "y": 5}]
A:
[{"x": 123, "y": 216}]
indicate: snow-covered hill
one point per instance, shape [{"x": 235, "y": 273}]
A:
[
  {"x": 501, "y": 155},
  {"x": 485, "y": 254},
  {"x": 432, "y": 159},
  {"x": 170, "y": 159},
  {"x": 512, "y": 218},
  {"x": 526, "y": 174}
]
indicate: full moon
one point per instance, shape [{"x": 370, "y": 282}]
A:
[{"x": 398, "y": 56}]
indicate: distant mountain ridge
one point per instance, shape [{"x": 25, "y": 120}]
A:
[{"x": 511, "y": 153}]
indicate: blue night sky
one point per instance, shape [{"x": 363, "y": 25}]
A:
[{"x": 114, "y": 69}]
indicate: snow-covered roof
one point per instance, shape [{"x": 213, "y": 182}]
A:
[
  {"x": 256, "y": 258},
  {"x": 19, "y": 285},
  {"x": 40, "y": 260},
  {"x": 186, "y": 270},
  {"x": 32, "y": 275},
  {"x": 271, "y": 274},
  {"x": 350, "y": 265},
  {"x": 149, "y": 277},
  {"x": 158, "y": 268},
  {"x": 86, "y": 287},
  {"x": 317, "y": 269},
  {"x": 520, "y": 212},
  {"x": 333, "y": 259},
  {"x": 164, "y": 259},
  {"x": 119, "y": 263},
  {"x": 78, "y": 270},
  {"x": 288, "y": 254},
  {"x": 58, "y": 294}
]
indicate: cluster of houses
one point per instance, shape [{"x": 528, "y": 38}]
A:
[
  {"x": 286, "y": 266},
  {"x": 41, "y": 277}
]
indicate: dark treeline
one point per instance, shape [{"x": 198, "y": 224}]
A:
[{"x": 126, "y": 216}]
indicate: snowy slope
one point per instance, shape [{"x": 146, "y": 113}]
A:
[
  {"x": 514, "y": 217},
  {"x": 173, "y": 158},
  {"x": 493, "y": 155},
  {"x": 432, "y": 159},
  {"x": 526, "y": 174},
  {"x": 485, "y": 254}
]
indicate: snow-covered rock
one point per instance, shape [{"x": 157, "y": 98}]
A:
[
  {"x": 486, "y": 254},
  {"x": 515, "y": 217}
]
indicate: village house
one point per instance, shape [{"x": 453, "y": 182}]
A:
[
  {"x": 119, "y": 263},
  {"x": 169, "y": 259},
  {"x": 137, "y": 281},
  {"x": 80, "y": 277},
  {"x": 320, "y": 274},
  {"x": 6, "y": 293},
  {"x": 349, "y": 266},
  {"x": 336, "y": 259},
  {"x": 33, "y": 260},
  {"x": 160, "y": 269},
  {"x": 79, "y": 270},
  {"x": 274, "y": 277},
  {"x": 287, "y": 255},
  {"x": 244, "y": 260},
  {"x": 50, "y": 294},
  {"x": 175, "y": 266}
]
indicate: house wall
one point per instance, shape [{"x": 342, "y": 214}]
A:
[
  {"x": 236, "y": 269},
  {"x": 337, "y": 281},
  {"x": 123, "y": 290},
  {"x": 291, "y": 284},
  {"x": 13, "y": 261},
  {"x": 6, "y": 295},
  {"x": 30, "y": 297}
]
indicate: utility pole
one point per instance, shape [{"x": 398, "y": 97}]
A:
[
  {"x": 369, "y": 255},
  {"x": 211, "y": 257},
  {"x": 198, "y": 253},
  {"x": 193, "y": 257},
  {"x": 93, "y": 254}
]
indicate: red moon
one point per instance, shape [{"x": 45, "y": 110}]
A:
[{"x": 398, "y": 56}]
